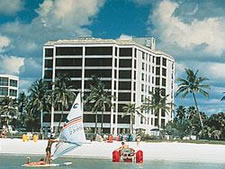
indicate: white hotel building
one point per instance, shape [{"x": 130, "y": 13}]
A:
[
  {"x": 9, "y": 86},
  {"x": 130, "y": 69}
]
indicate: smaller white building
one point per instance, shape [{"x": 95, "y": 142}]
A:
[{"x": 9, "y": 86}]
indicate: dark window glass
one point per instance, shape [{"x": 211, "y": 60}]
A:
[
  {"x": 125, "y": 74},
  {"x": 89, "y": 118},
  {"x": 125, "y": 63},
  {"x": 115, "y": 62},
  {"x": 125, "y": 52},
  {"x": 134, "y": 86},
  {"x": 107, "y": 84},
  {"x": 70, "y": 73},
  {"x": 134, "y": 75},
  {"x": 156, "y": 122},
  {"x": 153, "y": 59},
  {"x": 124, "y": 97},
  {"x": 153, "y": 69},
  {"x": 135, "y": 63},
  {"x": 48, "y": 63},
  {"x": 163, "y": 82},
  {"x": 116, "y": 51},
  {"x": 68, "y": 62},
  {"x": 64, "y": 51},
  {"x": 135, "y": 53},
  {"x": 124, "y": 120},
  {"x": 13, "y": 92},
  {"x": 57, "y": 117},
  {"x": 3, "y": 91},
  {"x": 48, "y": 74},
  {"x": 13, "y": 83},
  {"x": 75, "y": 84},
  {"x": 120, "y": 107},
  {"x": 143, "y": 55},
  {"x": 163, "y": 113},
  {"x": 162, "y": 122},
  {"x": 98, "y": 73},
  {"x": 164, "y": 61},
  {"x": 98, "y": 51},
  {"x": 157, "y": 60},
  {"x": 134, "y": 97},
  {"x": 48, "y": 52},
  {"x": 4, "y": 81},
  {"x": 157, "y": 70},
  {"x": 157, "y": 81},
  {"x": 124, "y": 85},
  {"x": 163, "y": 92},
  {"x": 98, "y": 62},
  {"x": 46, "y": 117},
  {"x": 115, "y": 74},
  {"x": 115, "y": 86},
  {"x": 163, "y": 71}
]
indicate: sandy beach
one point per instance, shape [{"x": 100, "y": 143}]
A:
[{"x": 184, "y": 152}]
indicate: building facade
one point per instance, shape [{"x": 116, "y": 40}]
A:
[
  {"x": 9, "y": 86},
  {"x": 130, "y": 70}
]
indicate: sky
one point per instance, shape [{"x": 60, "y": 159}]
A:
[{"x": 192, "y": 31}]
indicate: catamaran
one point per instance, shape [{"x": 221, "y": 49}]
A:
[{"x": 71, "y": 136}]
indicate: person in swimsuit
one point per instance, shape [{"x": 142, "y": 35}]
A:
[
  {"x": 48, "y": 150},
  {"x": 40, "y": 162}
]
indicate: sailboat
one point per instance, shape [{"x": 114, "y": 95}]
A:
[{"x": 71, "y": 136}]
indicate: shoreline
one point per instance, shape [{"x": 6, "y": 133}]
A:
[{"x": 163, "y": 151}]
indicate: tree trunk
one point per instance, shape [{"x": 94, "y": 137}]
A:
[
  {"x": 102, "y": 118},
  {"x": 96, "y": 121},
  {"x": 196, "y": 105},
  {"x": 61, "y": 118},
  {"x": 131, "y": 123}
]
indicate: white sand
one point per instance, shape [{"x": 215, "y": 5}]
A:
[{"x": 101, "y": 150}]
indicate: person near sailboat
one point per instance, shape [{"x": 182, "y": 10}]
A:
[
  {"x": 48, "y": 150},
  {"x": 71, "y": 136}
]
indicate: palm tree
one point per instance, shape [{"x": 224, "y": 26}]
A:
[
  {"x": 156, "y": 103},
  {"x": 37, "y": 97},
  {"x": 130, "y": 109},
  {"x": 180, "y": 113},
  {"x": 192, "y": 84},
  {"x": 8, "y": 109},
  {"x": 22, "y": 103},
  {"x": 62, "y": 94},
  {"x": 99, "y": 98}
]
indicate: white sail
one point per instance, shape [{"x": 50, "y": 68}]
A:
[{"x": 72, "y": 134}]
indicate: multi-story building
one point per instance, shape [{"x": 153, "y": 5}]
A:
[
  {"x": 130, "y": 70},
  {"x": 9, "y": 86}
]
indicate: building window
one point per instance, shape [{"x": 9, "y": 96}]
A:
[
  {"x": 157, "y": 60},
  {"x": 13, "y": 83},
  {"x": 143, "y": 66},
  {"x": 124, "y": 96},
  {"x": 125, "y": 74},
  {"x": 115, "y": 74},
  {"x": 115, "y": 62},
  {"x": 72, "y": 73},
  {"x": 143, "y": 55},
  {"x": 68, "y": 62},
  {"x": 98, "y": 73},
  {"x": 124, "y": 85},
  {"x": 142, "y": 87},
  {"x": 48, "y": 52},
  {"x": 164, "y": 72},
  {"x": 98, "y": 62},
  {"x": 125, "y": 52},
  {"x": 163, "y": 113},
  {"x": 153, "y": 69},
  {"x": 142, "y": 98},
  {"x": 157, "y": 70},
  {"x": 163, "y": 82},
  {"x": 153, "y": 59},
  {"x": 125, "y": 63},
  {"x": 134, "y": 75},
  {"x": 67, "y": 51},
  {"x": 120, "y": 107},
  {"x": 150, "y": 59},
  {"x": 134, "y": 86},
  {"x": 157, "y": 81},
  {"x": 163, "y": 92},
  {"x": 3, "y": 91},
  {"x": 13, "y": 92},
  {"x": 135, "y": 63},
  {"x": 153, "y": 80},
  {"x": 135, "y": 52},
  {"x": 115, "y": 85},
  {"x": 48, "y": 63},
  {"x": 162, "y": 122},
  {"x": 142, "y": 76},
  {"x": 98, "y": 51},
  {"x": 4, "y": 81},
  {"x": 116, "y": 51},
  {"x": 164, "y": 62},
  {"x": 134, "y": 96},
  {"x": 48, "y": 74}
]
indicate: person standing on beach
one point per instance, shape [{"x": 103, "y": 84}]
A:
[
  {"x": 138, "y": 138},
  {"x": 48, "y": 150}
]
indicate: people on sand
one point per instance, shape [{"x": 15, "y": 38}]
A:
[
  {"x": 40, "y": 162},
  {"x": 124, "y": 149},
  {"x": 48, "y": 150},
  {"x": 138, "y": 138}
]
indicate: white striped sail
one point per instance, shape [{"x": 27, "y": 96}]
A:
[{"x": 72, "y": 134}]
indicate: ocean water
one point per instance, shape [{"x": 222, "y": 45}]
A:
[{"x": 15, "y": 162}]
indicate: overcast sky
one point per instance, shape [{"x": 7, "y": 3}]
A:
[{"x": 192, "y": 31}]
